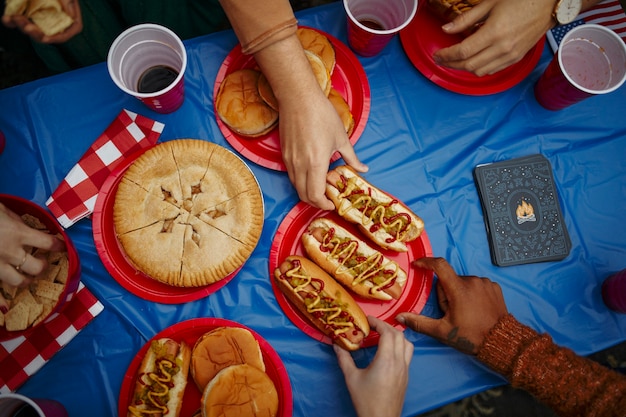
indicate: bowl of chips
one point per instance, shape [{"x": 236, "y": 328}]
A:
[{"x": 26, "y": 308}]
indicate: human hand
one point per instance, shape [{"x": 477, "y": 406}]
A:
[
  {"x": 24, "y": 24},
  {"x": 310, "y": 128},
  {"x": 471, "y": 307},
  {"x": 16, "y": 241},
  {"x": 510, "y": 29},
  {"x": 309, "y": 137},
  {"x": 379, "y": 389}
]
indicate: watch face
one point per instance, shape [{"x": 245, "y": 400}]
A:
[{"x": 567, "y": 10}]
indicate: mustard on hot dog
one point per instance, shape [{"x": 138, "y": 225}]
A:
[
  {"x": 325, "y": 303},
  {"x": 382, "y": 218},
  {"x": 356, "y": 265}
]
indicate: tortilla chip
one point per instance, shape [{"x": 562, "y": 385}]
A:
[
  {"x": 49, "y": 290},
  {"x": 32, "y": 221},
  {"x": 15, "y": 7},
  {"x": 51, "y": 22},
  {"x": 17, "y": 317},
  {"x": 9, "y": 290},
  {"x": 64, "y": 270},
  {"x": 47, "y": 309},
  {"x": 24, "y": 296},
  {"x": 34, "y": 311}
]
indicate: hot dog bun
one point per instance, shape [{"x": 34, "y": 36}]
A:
[
  {"x": 357, "y": 266},
  {"x": 220, "y": 348},
  {"x": 240, "y": 106},
  {"x": 382, "y": 218},
  {"x": 325, "y": 303},
  {"x": 165, "y": 359},
  {"x": 240, "y": 390}
]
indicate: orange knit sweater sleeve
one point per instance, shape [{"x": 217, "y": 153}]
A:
[
  {"x": 568, "y": 383},
  {"x": 259, "y": 23}
]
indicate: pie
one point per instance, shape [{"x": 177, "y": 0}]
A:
[{"x": 188, "y": 213}]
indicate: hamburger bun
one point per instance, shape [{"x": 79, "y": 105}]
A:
[
  {"x": 321, "y": 75},
  {"x": 319, "y": 44},
  {"x": 319, "y": 69},
  {"x": 240, "y": 390},
  {"x": 240, "y": 106},
  {"x": 220, "y": 348},
  {"x": 266, "y": 92},
  {"x": 343, "y": 110}
]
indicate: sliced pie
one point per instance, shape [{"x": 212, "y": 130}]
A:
[{"x": 188, "y": 213}]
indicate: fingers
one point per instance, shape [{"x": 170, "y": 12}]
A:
[
  {"x": 467, "y": 20},
  {"x": 391, "y": 339},
  {"x": 447, "y": 276},
  {"x": 346, "y": 363},
  {"x": 422, "y": 324},
  {"x": 349, "y": 156},
  {"x": 12, "y": 276},
  {"x": 315, "y": 192}
]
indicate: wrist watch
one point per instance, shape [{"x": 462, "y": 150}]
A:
[{"x": 565, "y": 11}]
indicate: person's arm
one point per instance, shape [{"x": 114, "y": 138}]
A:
[
  {"x": 568, "y": 383},
  {"x": 16, "y": 242},
  {"x": 510, "y": 29},
  {"x": 379, "y": 389},
  {"x": 310, "y": 129},
  {"x": 476, "y": 322}
]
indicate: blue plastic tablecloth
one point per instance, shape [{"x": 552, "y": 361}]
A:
[{"x": 421, "y": 143}]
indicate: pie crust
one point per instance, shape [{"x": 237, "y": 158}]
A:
[{"x": 188, "y": 213}]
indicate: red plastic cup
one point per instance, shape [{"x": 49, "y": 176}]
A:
[
  {"x": 17, "y": 405},
  {"x": 591, "y": 60},
  {"x": 373, "y": 23},
  {"x": 148, "y": 62},
  {"x": 614, "y": 291}
]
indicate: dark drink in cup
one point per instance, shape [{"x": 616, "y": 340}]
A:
[{"x": 156, "y": 78}]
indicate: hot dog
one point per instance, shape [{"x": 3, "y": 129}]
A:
[
  {"x": 161, "y": 380},
  {"x": 359, "y": 267},
  {"x": 323, "y": 301},
  {"x": 383, "y": 219}
]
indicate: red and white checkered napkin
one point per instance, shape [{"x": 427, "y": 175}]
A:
[
  {"x": 22, "y": 357},
  {"x": 75, "y": 197}
]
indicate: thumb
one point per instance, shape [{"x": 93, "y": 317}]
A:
[
  {"x": 422, "y": 324},
  {"x": 349, "y": 156},
  {"x": 346, "y": 363}
]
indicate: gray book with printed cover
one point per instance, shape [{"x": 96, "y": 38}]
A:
[{"x": 521, "y": 209}]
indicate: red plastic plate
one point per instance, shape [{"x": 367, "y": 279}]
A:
[
  {"x": 190, "y": 331},
  {"x": 414, "y": 295},
  {"x": 348, "y": 78},
  {"x": 21, "y": 206},
  {"x": 115, "y": 261},
  {"x": 424, "y": 36}
]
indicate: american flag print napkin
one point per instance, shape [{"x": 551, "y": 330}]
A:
[
  {"x": 607, "y": 13},
  {"x": 75, "y": 197}
]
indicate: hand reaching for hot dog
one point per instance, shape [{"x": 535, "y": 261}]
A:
[
  {"x": 471, "y": 306},
  {"x": 379, "y": 389},
  {"x": 310, "y": 129}
]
